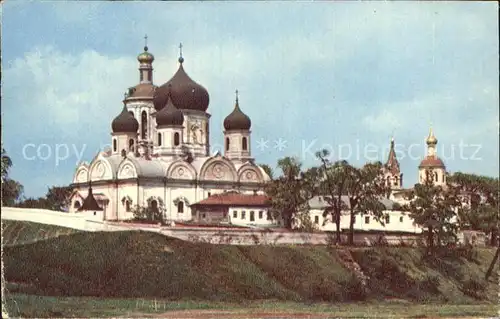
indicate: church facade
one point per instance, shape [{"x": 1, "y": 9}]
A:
[
  {"x": 160, "y": 157},
  {"x": 160, "y": 154}
]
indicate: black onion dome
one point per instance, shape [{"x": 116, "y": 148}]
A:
[
  {"x": 237, "y": 120},
  {"x": 169, "y": 115},
  {"x": 186, "y": 94},
  {"x": 125, "y": 122}
]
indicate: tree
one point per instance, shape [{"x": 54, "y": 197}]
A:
[
  {"x": 334, "y": 178},
  {"x": 434, "y": 208},
  {"x": 40, "y": 203},
  {"x": 58, "y": 197},
  {"x": 6, "y": 165},
  {"x": 481, "y": 199},
  {"x": 291, "y": 191},
  {"x": 12, "y": 191},
  {"x": 364, "y": 187}
]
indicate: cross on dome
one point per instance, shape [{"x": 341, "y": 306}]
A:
[{"x": 181, "y": 59}]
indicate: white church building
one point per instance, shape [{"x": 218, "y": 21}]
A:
[
  {"x": 160, "y": 151},
  {"x": 160, "y": 158}
]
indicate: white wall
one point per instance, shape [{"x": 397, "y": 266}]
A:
[
  {"x": 398, "y": 221},
  {"x": 238, "y": 220}
]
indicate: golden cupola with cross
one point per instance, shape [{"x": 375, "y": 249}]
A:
[{"x": 431, "y": 165}]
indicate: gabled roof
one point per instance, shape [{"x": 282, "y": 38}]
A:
[
  {"x": 234, "y": 199},
  {"x": 90, "y": 203}
]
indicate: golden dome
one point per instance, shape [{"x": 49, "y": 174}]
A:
[
  {"x": 145, "y": 57},
  {"x": 431, "y": 139}
]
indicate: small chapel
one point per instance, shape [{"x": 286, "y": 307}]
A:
[{"x": 160, "y": 151}]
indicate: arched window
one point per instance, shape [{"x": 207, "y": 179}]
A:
[
  {"x": 443, "y": 178},
  {"x": 436, "y": 176},
  {"x": 176, "y": 139},
  {"x": 244, "y": 143},
  {"x": 180, "y": 207},
  {"x": 131, "y": 145},
  {"x": 395, "y": 181},
  {"x": 227, "y": 143},
  {"x": 77, "y": 204},
  {"x": 388, "y": 181},
  {"x": 159, "y": 139},
  {"x": 144, "y": 124},
  {"x": 115, "y": 146}
]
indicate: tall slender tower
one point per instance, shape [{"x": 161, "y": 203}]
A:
[
  {"x": 393, "y": 175},
  {"x": 432, "y": 166},
  {"x": 237, "y": 134}
]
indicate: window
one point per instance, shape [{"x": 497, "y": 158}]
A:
[
  {"x": 77, "y": 205},
  {"x": 131, "y": 145},
  {"x": 180, "y": 207},
  {"x": 401, "y": 219},
  {"x": 142, "y": 76},
  {"x": 150, "y": 76},
  {"x": 235, "y": 214},
  {"x": 387, "y": 219},
  {"x": 436, "y": 176},
  {"x": 114, "y": 145},
  {"x": 176, "y": 139},
  {"x": 388, "y": 181},
  {"x": 159, "y": 139},
  {"x": 209, "y": 194},
  {"x": 316, "y": 219},
  {"x": 144, "y": 124},
  {"x": 203, "y": 215},
  {"x": 244, "y": 143},
  {"x": 367, "y": 219},
  {"x": 252, "y": 216},
  {"x": 127, "y": 206},
  {"x": 227, "y": 143},
  {"x": 243, "y": 214},
  {"x": 94, "y": 213},
  {"x": 269, "y": 217},
  {"x": 395, "y": 181},
  {"x": 261, "y": 214},
  {"x": 443, "y": 178}
]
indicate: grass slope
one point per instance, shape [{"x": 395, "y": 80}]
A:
[
  {"x": 20, "y": 232},
  {"x": 141, "y": 264}
]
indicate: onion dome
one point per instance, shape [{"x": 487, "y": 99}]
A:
[
  {"x": 186, "y": 94},
  {"x": 237, "y": 120},
  {"x": 145, "y": 57},
  {"x": 431, "y": 139},
  {"x": 125, "y": 122},
  {"x": 431, "y": 161},
  {"x": 169, "y": 115}
]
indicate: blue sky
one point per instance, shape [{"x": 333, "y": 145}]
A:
[{"x": 314, "y": 75}]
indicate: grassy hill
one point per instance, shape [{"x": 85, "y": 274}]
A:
[
  {"x": 141, "y": 264},
  {"x": 20, "y": 232}
]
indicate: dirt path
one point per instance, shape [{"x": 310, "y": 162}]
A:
[{"x": 227, "y": 314}]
